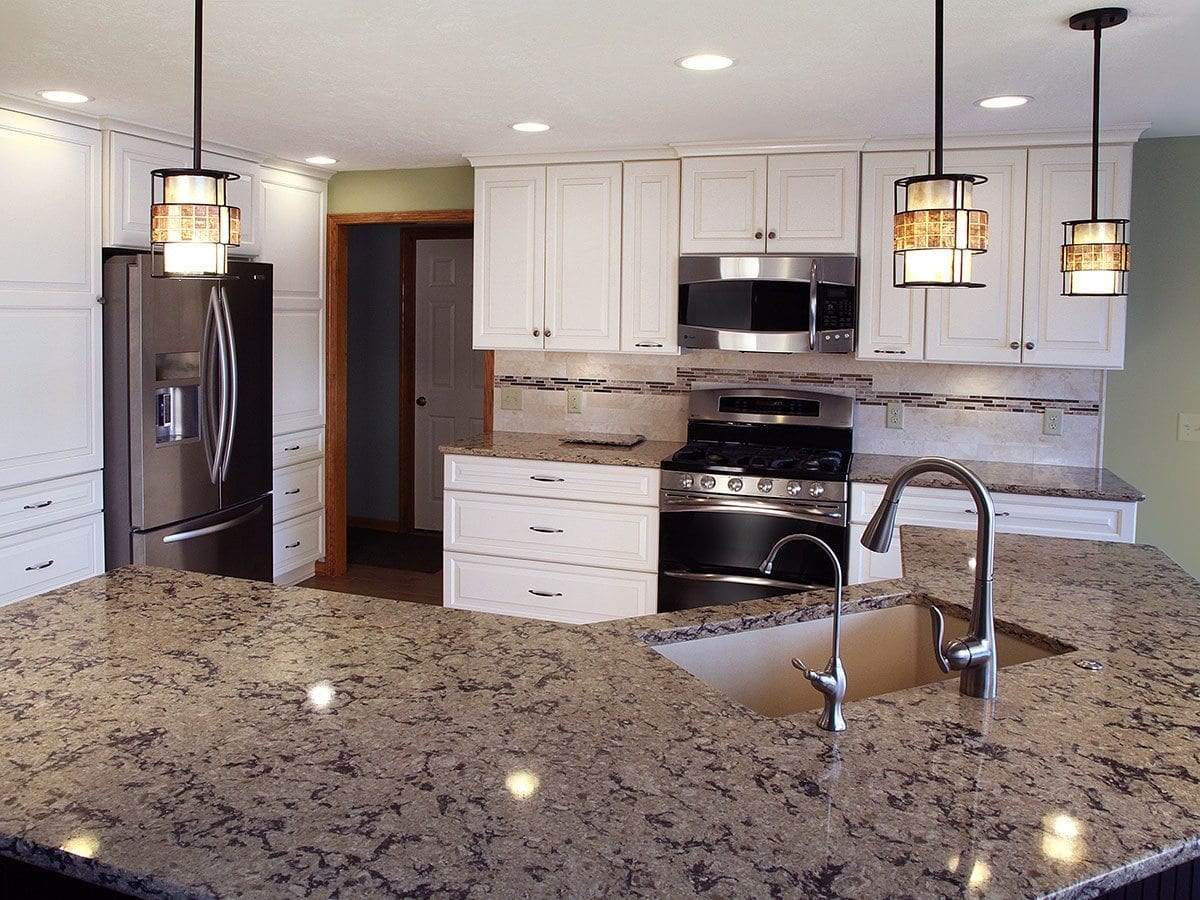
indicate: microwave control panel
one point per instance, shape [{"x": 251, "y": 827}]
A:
[{"x": 835, "y": 319}]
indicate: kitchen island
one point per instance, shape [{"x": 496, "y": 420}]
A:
[{"x": 191, "y": 735}]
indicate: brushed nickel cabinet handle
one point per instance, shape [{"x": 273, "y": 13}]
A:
[
  {"x": 999, "y": 515},
  {"x": 41, "y": 505},
  {"x": 291, "y": 546},
  {"x": 892, "y": 352},
  {"x": 647, "y": 344},
  {"x": 540, "y": 529},
  {"x": 545, "y": 593},
  {"x": 292, "y": 491},
  {"x": 47, "y": 564},
  {"x": 545, "y": 478},
  {"x": 290, "y": 449}
]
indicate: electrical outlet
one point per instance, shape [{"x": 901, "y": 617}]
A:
[
  {"x": 1052, "y": 421},
  {"x": 895, "y": 415},
  {"x": 1189, "y": 426},
  {"x": 511, "y": 398},
  {"x": 574, "y": 401}
]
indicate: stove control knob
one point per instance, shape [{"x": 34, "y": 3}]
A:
[
  {"x": 708, "y": 482},
  {"x": 686, "y": 481},
  {"x": 795, "y": 487},
  {"x": 765, "y": 485},
  {"x": 735, "y": 484},
  {"x": 816, "y": 490}
]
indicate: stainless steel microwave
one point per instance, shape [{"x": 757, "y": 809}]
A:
[{"x": 771, "y": 304}]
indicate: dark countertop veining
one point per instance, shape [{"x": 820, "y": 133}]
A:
[{"x": 197, "y": 735}]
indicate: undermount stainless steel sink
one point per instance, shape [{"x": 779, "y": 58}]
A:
[{"x": 883, "y": 650}]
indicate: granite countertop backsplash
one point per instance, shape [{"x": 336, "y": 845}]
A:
[
  {"x": 549, "y": 448},
  {"x": 187, "y": 735}
]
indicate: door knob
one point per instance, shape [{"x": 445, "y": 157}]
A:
[{"x": 421, "y": 401}]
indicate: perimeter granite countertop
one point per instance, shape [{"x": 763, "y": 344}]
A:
[
  {"x": 196, "y": 735},
  {"x": 525, "y": 445}
]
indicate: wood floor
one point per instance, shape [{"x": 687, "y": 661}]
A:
[{"x": 376, "y": 581}]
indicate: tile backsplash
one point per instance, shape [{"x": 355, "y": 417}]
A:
[{"x": 968, "y": 412}]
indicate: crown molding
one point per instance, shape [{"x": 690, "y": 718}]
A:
[
  {"x": 756, "y": 148},
  {"x": 1118, "y": 134},
  {"x": 54, "y": 111},
  {"x": 608, "y": 154}
]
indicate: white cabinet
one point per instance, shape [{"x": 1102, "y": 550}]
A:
[
  {"x": 292, "y": 234},
  {"x": 650, "y": 257},
  {"x": 1071, "y": 331},
  {"x": 298, "y": 365},
  {"x": 583, "y": 257},
  {"x": 563, "y": 541},
  {"x": 44, "y": 559},
  {"x": 789, "y": 203},
  {"x": 298, "y": 543}
]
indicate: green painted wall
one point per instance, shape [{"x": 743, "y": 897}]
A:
[
  {"x": 398, "y": 190},
  {"x": 1162, "y": 357}
]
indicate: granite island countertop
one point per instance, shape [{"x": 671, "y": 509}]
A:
[
  {"x": 550, "y": 448},
  {"x": 195, "y": 735}
]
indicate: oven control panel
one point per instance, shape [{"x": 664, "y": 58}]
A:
[{"x": 750, "y": 486}]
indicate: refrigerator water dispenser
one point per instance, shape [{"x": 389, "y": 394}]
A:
[{"x": 177, "y": 414}]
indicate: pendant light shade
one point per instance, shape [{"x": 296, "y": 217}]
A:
[
  {"x": 937, "y": 230},
  {"x": 1095, "y": 251},
  {"x": 192, "y": 225}
]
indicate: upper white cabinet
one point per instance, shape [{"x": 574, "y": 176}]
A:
[
  {"x": 583, "y": 257},
  {"x": 130, "y": 160},
  {"x": 650, "y": 257},
  {"x": 793, "y": 203},
  {"x": 293, "y": 233},
  {"x": 1071, "y": 331}
]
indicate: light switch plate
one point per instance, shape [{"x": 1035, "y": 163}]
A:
[
  {"x": 1189, "y": 426},
  {"x": 574, "y": 401},
  {"x": 895, "y": 415},
  {"x": 1052, "y": 421},
  {"x": 511, "y": 398}
]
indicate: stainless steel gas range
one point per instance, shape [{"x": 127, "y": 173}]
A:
[{"x": 760, "y": 464}]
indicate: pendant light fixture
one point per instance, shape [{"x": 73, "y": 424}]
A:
[
  {"x": 937, "y": 229},
  {"x": 191, "y": 223},
  {"x": 1095, "y": 253}
]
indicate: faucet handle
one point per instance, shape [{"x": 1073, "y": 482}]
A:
[
  {"x": 939, "y": 632},
  {"x": 798, "y": 663}
]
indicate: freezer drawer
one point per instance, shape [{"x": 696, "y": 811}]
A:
[{"x": 233, "y": 542}]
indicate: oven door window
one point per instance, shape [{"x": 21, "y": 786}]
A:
[{"x": 745, "y": 305}]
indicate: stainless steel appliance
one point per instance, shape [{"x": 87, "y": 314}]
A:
[
  {"x": 187, "y": 419},
  {"x": 760, "y": 464},
  {"x": 773, "y": 304}
]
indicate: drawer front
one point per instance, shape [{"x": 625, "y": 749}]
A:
[
  {"x": 568, "y": 481},
  {"x": 288, "y": 449},
  {"x": 47, "y": 558},
  {"x": 47, "y": 502},
  {"x": 1068, "y": 517},
  {"x": 299, "y": 489},
  {"x": 595, "y": 534},
  {"x": 558, "y": 593},
  {"x": 299, "y": 541}
]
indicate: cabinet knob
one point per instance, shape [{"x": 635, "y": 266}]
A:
[
  {"x": 547, "y": 332},
  {"x": 1015, "y": 345},
  {"x": 770, "y": 235},
  {"x": 1029, "y": 345},
  {"x": 758, "y": 235},
  {"x": 537, "y": 332}
]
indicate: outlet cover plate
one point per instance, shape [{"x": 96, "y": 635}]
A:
[
  {"x": 895, "y": 415},
  {"x": 1189, "y": 426},
  {"x": 511, "y": 398},
  {"x": 574, "y": 401},
  {"x": 1052, "y": 421}
]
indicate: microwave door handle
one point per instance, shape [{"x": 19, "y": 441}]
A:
[{"x": 814, "y": 285}]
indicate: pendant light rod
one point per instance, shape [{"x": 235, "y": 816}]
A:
[
  {"x": 1096, "y": 124},
  {"x": 938, "y": 77},
  {"x": 197, "y": 84}
]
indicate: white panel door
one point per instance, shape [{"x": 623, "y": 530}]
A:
[
  {"x": 130, "y": 160},
  {"x": 448, "y": 370},
  {"x": 291, "y": 234},
  {"x": 983, "y": 325},
  {"x": 650, "y": 257},
  {"x": 50, "y": 190},
  {"x": 812, "y": 203},
  {"x": 583, "y": 257},
  {"x": 723, "y": 204},
  {"x": 298, "y": 366},
  {"x": 510, "y": 248},
  {"x": 891, "y": 320},
  {"x": 1088, "y": 332},
  {"x": 245, "y": 192}
]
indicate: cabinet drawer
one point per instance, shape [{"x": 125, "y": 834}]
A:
[
  {"x": 47, "y": 502},
  {"x": 558, "y": 593},
  {"x": 47, "y": 558},
  {"x": 298, "y": 489},
  {"x": 569, "y": 481},
  {"x": 596, "y": 534},
  {"x": 299, "y": 541},
  {"x": 288, "y": 449}
]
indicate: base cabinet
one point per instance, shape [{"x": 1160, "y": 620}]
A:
[{"x": 44, "y": 559}]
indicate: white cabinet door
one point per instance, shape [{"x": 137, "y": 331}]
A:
[
  {"x": 245, "y": 192},
  {"x": 812, "y": 203},
  {"x": 650, "y": 257},
  {"x": 724, "y": 204},
  {"x": 50, "y": 230},
  {"x": 983, "y": 325},
  {"x": 583, "y": 257},
  {"x": 291, "y": 234},
  {"x": 891, "y": 320},
  {"x": 298, "y": 366},
  {"x": 510, "y": 246},
  {"x": 1088, "y": 332}
]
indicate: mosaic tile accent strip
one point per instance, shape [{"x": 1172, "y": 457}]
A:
[{"x": 862, "y": 387}]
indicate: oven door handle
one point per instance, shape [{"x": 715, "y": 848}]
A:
[
  {"x": 686, "y": 503},
  {"x": 756, "y": 580}
]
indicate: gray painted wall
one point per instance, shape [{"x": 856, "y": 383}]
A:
[{"x": 373, "y": 380}]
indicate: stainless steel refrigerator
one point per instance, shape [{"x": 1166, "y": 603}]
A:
[{"x": 187, "y": 419}]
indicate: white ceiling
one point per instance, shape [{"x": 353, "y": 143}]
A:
[{"x": 398, "y": 83}]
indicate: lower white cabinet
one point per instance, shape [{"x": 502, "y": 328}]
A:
[
  {"x": 568, "y": 542},
  {"x": 298, "y": 489},
  {"x": 1059, "y": 517},
  {"x": 298, "y": 503},
  {"x": 43, "y": 559},
  {"x": 298, "y": 543}
]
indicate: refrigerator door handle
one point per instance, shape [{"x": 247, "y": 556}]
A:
[
  {"x": 223, "y": 368},
  {"x": 231, "y": 395},
  {"x": 208, "y": 410},
  {"x": 212, "y": 529}
]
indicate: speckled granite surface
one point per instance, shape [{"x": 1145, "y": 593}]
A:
[
  {"x": 207, "y": 736},
  {"x": 522, "y": 445},
  {"x": 1007, "y": 478}
]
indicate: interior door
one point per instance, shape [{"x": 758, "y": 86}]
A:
[{"x": 449, "y": 373}]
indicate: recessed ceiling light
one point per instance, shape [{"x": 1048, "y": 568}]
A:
[
  {"x": 321, "y": 160},
  {"x": 704, "y": 62},
  {"x": 1006, "y": 101},
  {"x": 64, "y": 96},
  {"x": 531, "y": 127}
]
